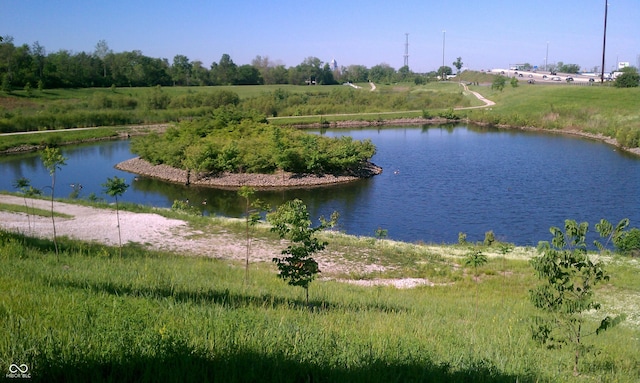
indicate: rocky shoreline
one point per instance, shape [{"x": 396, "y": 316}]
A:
[{"x": 278, "y": 180}]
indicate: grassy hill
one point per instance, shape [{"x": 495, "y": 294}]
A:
[{"x": 90, "y": 315}]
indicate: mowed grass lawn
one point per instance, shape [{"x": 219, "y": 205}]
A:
[{"x": 89, "y": 315}]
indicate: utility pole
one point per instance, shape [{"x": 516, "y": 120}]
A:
[
  {"x": 604, "y": 41},
  {"x": 546, "y": 58},
  {"x": 443, "y": 40},
  {"x": 406, "y": 50}
]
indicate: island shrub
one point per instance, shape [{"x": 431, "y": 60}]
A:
[{"x": 235, "y": 140}]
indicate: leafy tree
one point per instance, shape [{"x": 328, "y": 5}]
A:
[
  {"x": 499, "y": 82},
  {"x": 444, "y": 71},
  {"x": 514, "y": 82},
  {"x": 248, "y": 75},
  {"x": 381, "y": 73},
  {"x": 610, "y": 233},
  {"x": 115, "y": 187},
  {"x": 627, "y": 242},
  {"x": 252, "y": 209},
  {"x": 568, "y": 68},
  {"x": 291, "y": 221},
  {"x": 181, "y": 70},
  {"x": 224, "y": 72},
  {"x": 101, "y": 52},
  {"x": 458, "y": 64},
  {"x": 356, "y": 73},
  {"x": 568, "y": 277},
  {"x": 53, "y": 160}
]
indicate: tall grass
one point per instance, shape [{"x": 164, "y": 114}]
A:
[{"x": 148, "y": 316}]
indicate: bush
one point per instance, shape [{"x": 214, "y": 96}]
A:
[
  {"x": 629, "y": 243},
  {"x": 157, "y": 99},
  {"x": 628, "y": 137},
  {"x": 628, "y": 80},
  {"x": 489, "y": 238}
]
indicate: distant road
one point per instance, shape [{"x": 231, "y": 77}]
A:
[{"x": 546, "y": 77}]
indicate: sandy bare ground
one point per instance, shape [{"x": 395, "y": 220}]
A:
[
  {"x": 160, "y": 233},
  {"x": 151, "y": 230}
]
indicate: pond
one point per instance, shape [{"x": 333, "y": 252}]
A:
[{"x": 438, "y": 181}]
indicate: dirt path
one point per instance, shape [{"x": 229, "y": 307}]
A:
[{"x": 480, "y": 97}]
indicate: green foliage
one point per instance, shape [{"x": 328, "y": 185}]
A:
[
  {"x": 628, "y": 80},
  {"x": 28, "y": 90},
  {"x": 462, "y": 238},
  {"x": 458, "y": 64},
  {"x": 115, "y": 187},
  {"x": 291, "y": 221},
  {"x": 628, "y": 242},
  {"x": 628, "y": 136},
  {"x": 161, "y": 316},
  {"x": 235, "y": 140},
  {"x": 513, "y": 82},
  {"x": 449, "y": 114},
  {"x": 607, "y": 231},
  {"x": 498, "y": 83},
  {"x": 568, "y": 277},
  {"x": 568, "y": 68},
  {"x": 6, "y": 83},
  {"x": 381, "y": 233},
  {"x": 475, "y": 259},
  {"x": 158, "y": 99},
  {"x": 184, "y": 207},
  {"x": 53, "y": 160},
  {"x": 489, "y": 238}
]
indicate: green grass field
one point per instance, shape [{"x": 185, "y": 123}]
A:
[
  {"x": 90, "y": 315},
  {"x": 593, "y": 109},
  {"x": 596, "y": 109}
]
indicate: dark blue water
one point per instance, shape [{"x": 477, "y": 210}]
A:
[{"x": 437, "y": 181}]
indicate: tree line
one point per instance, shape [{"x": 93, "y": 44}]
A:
[{"x": 31, "y": 66}]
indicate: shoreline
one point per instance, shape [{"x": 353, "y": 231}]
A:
[
  {"x": 281, "y": 180},
  {"x": 353, "y": 124}
]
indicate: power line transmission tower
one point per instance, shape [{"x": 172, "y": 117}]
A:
[{"x": 406, "y": 50}]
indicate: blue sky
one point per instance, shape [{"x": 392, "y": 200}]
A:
[{"x": 486, "y": 34}]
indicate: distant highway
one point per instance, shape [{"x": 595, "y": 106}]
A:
[{"x": 547, "y": 77}]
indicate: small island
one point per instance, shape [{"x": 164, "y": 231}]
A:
[
  {"x": 228, "y": 180},
  {"x": 233, "y": 148}
]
